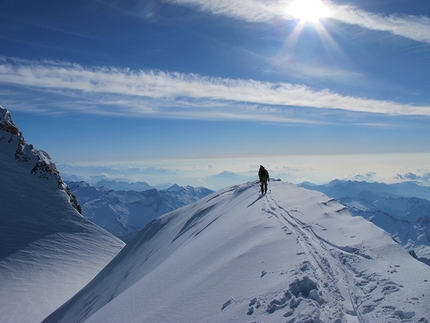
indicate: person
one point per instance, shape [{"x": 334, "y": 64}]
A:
[{"x": 263, "y": 175}]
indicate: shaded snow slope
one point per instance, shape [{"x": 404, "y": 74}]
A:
[
  {"x": 125, "y": 213},
  {"x": 293, "y": 255},
  {"x": 48, "y": 250}
]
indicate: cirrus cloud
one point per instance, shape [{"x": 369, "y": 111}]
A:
[
  {"x": 153, "y": 92},
  {"x": 409, "y": 26}
]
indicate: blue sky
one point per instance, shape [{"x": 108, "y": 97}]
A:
[{"x": 193, "y": 84}]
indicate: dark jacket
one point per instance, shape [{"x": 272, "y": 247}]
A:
[{"x": 263, "y": 174}]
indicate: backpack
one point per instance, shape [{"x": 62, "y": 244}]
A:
[{"x": 263, "y": 174}]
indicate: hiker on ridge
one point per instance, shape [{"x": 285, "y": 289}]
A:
[{"x": 263, "y": 175}]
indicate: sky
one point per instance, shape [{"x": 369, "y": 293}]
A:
[{"x": 181, "y": 90}]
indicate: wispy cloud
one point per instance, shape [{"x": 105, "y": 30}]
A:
[
  {"x": 250, "y": 10},
  {"x": 413, "y": 27},
  {"x": 161, "y": 93},
  {"x": 284, "y": 63}
]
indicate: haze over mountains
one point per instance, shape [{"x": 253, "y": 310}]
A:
[
  {"x": 341, "y": 188},
  {"x": 124, "y": 178},
  {"x": 293, "y": 255}
]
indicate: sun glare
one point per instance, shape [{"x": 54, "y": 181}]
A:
[{"x": 308, "y": 10}]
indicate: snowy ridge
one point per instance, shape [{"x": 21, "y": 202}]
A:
[
  {"x": 293, "y": 255},
  {"x": 48, "y": 250},
  {"x": 406, "y": 218},
  {"x": 37, "y": 161}
]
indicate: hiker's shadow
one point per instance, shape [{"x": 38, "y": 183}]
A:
[{"x": 258, "y": 198}]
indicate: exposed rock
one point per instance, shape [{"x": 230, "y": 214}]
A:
[{"x": 43, "y": 167}]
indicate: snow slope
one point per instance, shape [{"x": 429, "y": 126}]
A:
[
  {"x": 125, "y": 213},
  {"x": 48, "y": 250},
  {"x": 406, "y": 218},
  {"x": 293, "y": 255}
]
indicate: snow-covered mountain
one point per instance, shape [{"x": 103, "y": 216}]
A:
[
  {"x": 338, "y": 188},
  {"x": 125, "y": 213},
  {"x": 227, "y": 178},
  {"x": 123, "y": 185},
  {"x": 48, "y": 250},
  {"x": 406, "y": 218},
  {"x": 293, "y": 255}
]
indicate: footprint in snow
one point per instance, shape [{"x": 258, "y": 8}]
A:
[{"x": 227, "y": 303}]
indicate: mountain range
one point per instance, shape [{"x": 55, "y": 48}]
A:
[
  {"x": 124, "y": 213},
  {"x": 341, "y": 188},
  {"x": 122, "y": 185},
  {"x": 391, "y": 207},
  {"x": 294, "y": 255}
]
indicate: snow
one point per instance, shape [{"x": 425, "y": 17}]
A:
[
  {"x": 124, "y": 213},
  {"x": 48, "y": 250},
  {"x": 123, "y": 185},
  {"x": 292, "y": 255},
  {"x": 405, "y": 218}
]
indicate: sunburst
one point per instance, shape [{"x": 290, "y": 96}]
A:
[{"x": 309, "y": 10}]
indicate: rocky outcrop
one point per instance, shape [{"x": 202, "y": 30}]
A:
[{"x": 39, "y": 162}]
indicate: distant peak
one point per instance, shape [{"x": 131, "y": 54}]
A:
[
  {"x": 174, "y": 187},
  {"x": 226, "y": 172}
]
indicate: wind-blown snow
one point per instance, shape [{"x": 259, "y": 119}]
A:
[
  {"x": 48, "y": 250},
  {"x": 293, "y": 255}
]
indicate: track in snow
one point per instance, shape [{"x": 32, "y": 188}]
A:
[{"x": 320, "y": 257}]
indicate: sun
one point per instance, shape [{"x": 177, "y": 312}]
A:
[{"x": 308, "y": 10}]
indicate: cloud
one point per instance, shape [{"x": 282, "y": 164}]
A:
[
  {"x": 425, "y": 178},
  {"x": 250, "y": 10},
  {"x": 413, "y": 27},
  {"x": 286, "y": 64},
  {"x": 114, "y": 91},
  {"x": 369, "y": 176}
]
